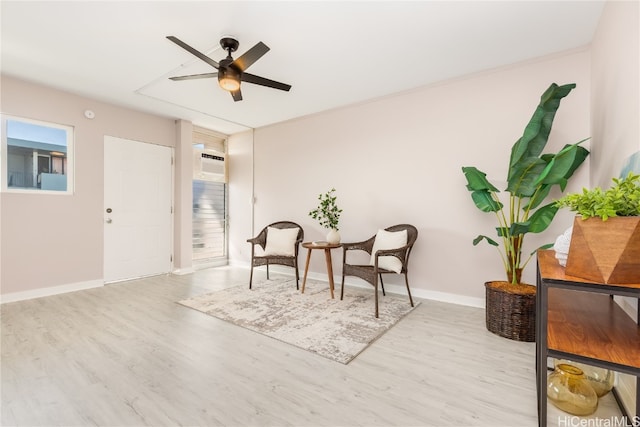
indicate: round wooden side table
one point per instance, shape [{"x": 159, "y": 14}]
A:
[{"x": 327, "y": 255}]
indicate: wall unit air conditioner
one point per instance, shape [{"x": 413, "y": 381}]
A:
[{"x": 208, "y": 165}]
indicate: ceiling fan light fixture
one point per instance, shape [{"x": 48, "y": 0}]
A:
[
  {"x": 228, "y": 80},
  {"x": 231, "y": 72}
]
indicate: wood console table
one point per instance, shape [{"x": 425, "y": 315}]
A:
[{"x": 577, "y": 319}]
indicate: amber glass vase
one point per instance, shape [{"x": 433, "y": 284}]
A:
[
  {"x": 601, "y": 379},
  {"x": 569, "y": 390}
]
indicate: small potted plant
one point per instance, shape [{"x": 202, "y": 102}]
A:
[
  {"x": 605, "y": 239},
  {"x": 328, "y": 215}
]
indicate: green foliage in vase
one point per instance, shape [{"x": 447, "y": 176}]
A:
[
  {"x": 531, "y": 175},
  {"x": 621, "y": 199},
  {"x": 327, "y": 213}
]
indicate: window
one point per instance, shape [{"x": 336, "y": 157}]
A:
[
  {"x": 209, "y": 199},
  {"x": 36, "y": 156}
]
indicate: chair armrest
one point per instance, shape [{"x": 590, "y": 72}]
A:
[
  {"x": 400, "y": 253},
  {"x": 365, "y": 245},
  {"x": 258, "y": 240}
]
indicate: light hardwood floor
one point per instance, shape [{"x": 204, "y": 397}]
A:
[{"x": 127, "y": 355}]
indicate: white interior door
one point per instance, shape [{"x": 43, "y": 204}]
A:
[{"x": 137, "y": 209}]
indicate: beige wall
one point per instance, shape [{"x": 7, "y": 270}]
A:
[
  {"x": 399, "y": 159},
  {"x": 615, "y": 114},
  {"x": 183, "y": 198},
  {"x": 615, "y": 89},
  {"x": 240, "y": 152},
  {"x": 57, "y": 240}
]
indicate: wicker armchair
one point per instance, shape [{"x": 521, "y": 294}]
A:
[
  {"x": 265, "y": 258},
  {"x": 373, "y": 273}
]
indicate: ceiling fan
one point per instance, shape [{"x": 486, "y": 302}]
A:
[{"x": 231, "y": 71}]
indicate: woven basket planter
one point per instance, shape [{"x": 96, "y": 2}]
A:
[{"x": 511, "y": 310}]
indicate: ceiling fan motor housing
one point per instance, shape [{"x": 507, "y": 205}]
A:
[
  {"x": 229, "y": 44},
  {"x": 228, "y": 73}
]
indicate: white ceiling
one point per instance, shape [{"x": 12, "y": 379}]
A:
[{"x": 333, "y": 53}]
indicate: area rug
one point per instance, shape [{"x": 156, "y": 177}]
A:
[{"x": 335, "y": 329}]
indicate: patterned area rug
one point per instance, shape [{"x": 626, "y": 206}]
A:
[{"x": 337, "y": 330}]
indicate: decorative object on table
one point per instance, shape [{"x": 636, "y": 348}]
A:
[
  {"x": 531, "y": 175},
  {"x": 605, "y": 242},
  {"x": 561, "y": 246},
  {"x": 337, "y": 330},
  {"x": 601, "y": 379},
  {"x": 277, "y": 243},
  {"x": 631, "y": 164},
  {"x": 568, "y": 389},
  {"x": 328, "y": 215},
  {"x": 389, "y": 249}
]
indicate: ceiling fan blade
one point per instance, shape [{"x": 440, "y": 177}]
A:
[
  {"x": 251, "y": 78},
  {"x": 194, "y": 76},
  {"x": 252, "y": 55},
  {"x": 237, "y": 95},
  {"x": 194, "y": 52}
]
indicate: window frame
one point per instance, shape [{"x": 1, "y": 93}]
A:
[{"x": 4, "y": 158}]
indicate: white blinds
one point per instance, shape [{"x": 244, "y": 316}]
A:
[
  {"x": 209, "y": 221},
  {"x": 209, "y": 139}
]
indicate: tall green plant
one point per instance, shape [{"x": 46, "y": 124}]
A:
[{"x": 531, "y": 176}]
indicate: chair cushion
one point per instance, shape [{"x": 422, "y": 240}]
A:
[
  {"x": 388, "y": 240},
  {"x": 281, "y": 241}
]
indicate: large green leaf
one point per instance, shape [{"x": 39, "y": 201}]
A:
[
  {"x": 476, "y": 179},
  {"x": 489, "y": 240},
  {"x": 536, "y": 133},
  {"x": 481, "y": 190},
  {"x": 581, "y": 155},
  {"x": 525, "y": 177},
  {"x": 558, "y": 167},
  {"x": 519, "y": 228},
  {"x": 541, "y": 219},
  {"x": 503, "y": 232},
  {"x": 537, "y": 222},
  {"x": 563, "y": 165},
  {"x": 485, "y": 202},
  {"x": 535, "y": 200}
]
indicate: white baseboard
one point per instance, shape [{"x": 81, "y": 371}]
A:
[
  {"x": 52, "y": 290},
  {"x": 393, "y": 289},
  {"x": 236, "y": 263},
  {"x": 349, "y": 281},
  {"x": 183, "y": 271}
]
